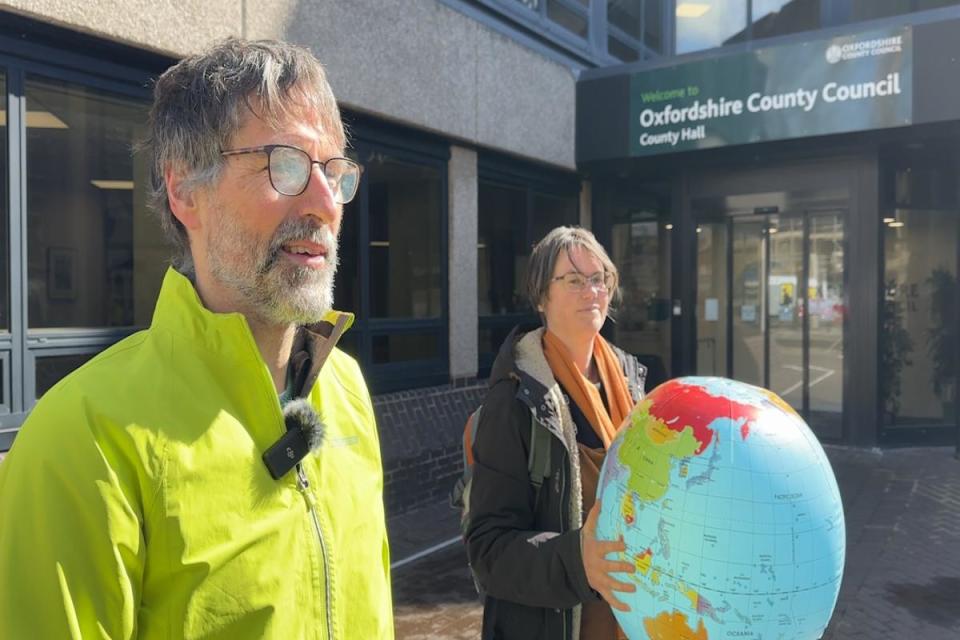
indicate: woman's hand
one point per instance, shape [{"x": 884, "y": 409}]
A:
[{"x": 598, "y": 568}]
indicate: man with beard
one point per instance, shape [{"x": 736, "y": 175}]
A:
[{"x": 217, "y": 475}]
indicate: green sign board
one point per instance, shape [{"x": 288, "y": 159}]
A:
[{"x": 836, "y": 85}]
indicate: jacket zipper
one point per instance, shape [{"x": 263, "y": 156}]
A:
[{"x": 304, "y": 486}]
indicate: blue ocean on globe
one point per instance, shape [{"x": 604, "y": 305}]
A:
[{"x": 730, "y": 513}]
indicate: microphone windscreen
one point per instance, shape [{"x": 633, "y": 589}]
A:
[{"x": 300, "y": 413}]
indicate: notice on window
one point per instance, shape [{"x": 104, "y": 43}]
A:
[
  {"x": 711, "y": 310},
  {"x": 748, "y": 313}
]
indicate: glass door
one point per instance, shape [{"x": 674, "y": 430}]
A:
[{"x": 770, "y": 312}]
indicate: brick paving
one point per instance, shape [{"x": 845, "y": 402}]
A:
[{"x": 902, "y": 576}]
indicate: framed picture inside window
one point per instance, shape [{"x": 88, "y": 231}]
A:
[{"x": 61, "y": 273}]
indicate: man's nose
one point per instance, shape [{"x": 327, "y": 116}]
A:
[{"x": 320, "y": 201}]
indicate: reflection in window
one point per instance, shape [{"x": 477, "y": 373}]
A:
[
  {"x": 404, "y": 239},
  {"x": 95, "y": 257},
  {"x": 780, "y": 17},
  {"x": 919, "y": 350},
  {"x": 870, "y": 9},
  {"x": 4, "y": 243},
  {"x": 705, "y": 24}
]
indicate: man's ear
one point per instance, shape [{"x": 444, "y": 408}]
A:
[{"x": 183, "y": 201}]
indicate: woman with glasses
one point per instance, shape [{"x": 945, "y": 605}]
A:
[{"x": 531, "y": 544}]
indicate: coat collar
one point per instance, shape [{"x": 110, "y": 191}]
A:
[{"x": 180, "y": 311}]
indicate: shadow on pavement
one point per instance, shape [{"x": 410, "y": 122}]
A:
[{"x": 936, "y": 602}]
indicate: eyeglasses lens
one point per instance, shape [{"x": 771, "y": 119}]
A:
[{"x": 289, "y": 170}]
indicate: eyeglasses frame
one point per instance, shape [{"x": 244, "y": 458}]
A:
[
  {"x": 602, "y": 287},
  {"x": 269, "y": 149}
]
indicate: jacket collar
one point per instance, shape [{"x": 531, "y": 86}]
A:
[{"x": 180, "y": 311}]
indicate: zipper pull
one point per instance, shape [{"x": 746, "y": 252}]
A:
[{"x": 302, "y": 483}]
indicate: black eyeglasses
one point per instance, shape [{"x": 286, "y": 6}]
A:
[{"x": 290, "y": 169}]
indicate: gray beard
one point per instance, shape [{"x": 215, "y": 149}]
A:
[{"x": 274, "y": 290}]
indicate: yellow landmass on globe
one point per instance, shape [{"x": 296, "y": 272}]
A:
[
  {"x": 780, "y": 402},
  {"x": 648, "y": 450},
  {"x": 627, "y": 510},
  {"x": 673, "y": 626},
  {"x": 691, "y": 594},
  {"x": 642, "y": 561}
]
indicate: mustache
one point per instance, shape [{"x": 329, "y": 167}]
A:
[{"x": 300, "y": 229}]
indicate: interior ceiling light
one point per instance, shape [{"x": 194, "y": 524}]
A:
[
  {"x": 668, "y": 226},
  {"x": 888, "y": 220},
  {"x": 113, "y": 184},
  {"x": 38, "y": 120},
  {"x": 692, "y": 9},
  {"x": 897, "y": 224}
]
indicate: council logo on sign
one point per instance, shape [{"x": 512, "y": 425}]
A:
[
  {"x": 834, "y": 54},
  {"x": 863, "y": 49}
]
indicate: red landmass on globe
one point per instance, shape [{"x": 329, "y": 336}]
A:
[{"x": 691, "y": 405}]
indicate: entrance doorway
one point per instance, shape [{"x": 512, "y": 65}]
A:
[{"x": 770, "y": 297}]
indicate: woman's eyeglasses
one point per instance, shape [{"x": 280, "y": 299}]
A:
[{"x": 577, "y": 282}]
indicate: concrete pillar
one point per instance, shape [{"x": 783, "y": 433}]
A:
[{"x": 462, "y": 256}]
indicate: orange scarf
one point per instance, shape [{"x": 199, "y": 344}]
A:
[{"x": 584, "y": 393}]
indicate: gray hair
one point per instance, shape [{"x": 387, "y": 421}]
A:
[
  {"x": 201, "y": 102},
  {"x": 543, "y": 260}
]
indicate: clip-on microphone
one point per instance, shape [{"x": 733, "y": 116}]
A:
[{"x": 305, "y": 432}]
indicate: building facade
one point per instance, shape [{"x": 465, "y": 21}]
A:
[
  {"x": 814, "y": 256},
  {"x": 782, "y": 195}
]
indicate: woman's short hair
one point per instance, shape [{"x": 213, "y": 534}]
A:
[{"x": 543, "y": 260}]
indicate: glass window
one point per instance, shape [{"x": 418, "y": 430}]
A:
[
  {"x": 406, "y": 347},
  {"x": 705, "y": 24},
  {"x": 568, "y": 17},
  {"x": 621, "y": 50},
  {"x": 404, "y": 238},
  {"x": 626, "y": 16},
  {"x": 779, "y": 17},
  {"x": 95, "y": 257},
  {"x": 4, "y": 226},
  {"x": 640, "y": 244},
  {"x": 51, "y": 369},
  {"x": 653, "y": 25},
  {"x": 919, "y": 350},
  {"x": 551, "y": 211},
  {"x": 502, "y": 249},
  {"x": 870, "y": 9},
  {"x": 511, "y": 219}
]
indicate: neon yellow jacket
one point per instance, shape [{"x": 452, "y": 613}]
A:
[{"x": 134, "y": 502}]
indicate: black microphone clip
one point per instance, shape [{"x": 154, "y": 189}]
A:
[{"x": 304, "y": 434}]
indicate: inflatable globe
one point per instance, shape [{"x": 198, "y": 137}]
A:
[{"x": 730, "y": 513}]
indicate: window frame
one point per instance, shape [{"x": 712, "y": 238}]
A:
[
  {"x": 593, "y": 49},
  {"x": 509, "y": 173},
  {"x": 29, "y": 49},
  {"x": 419, "y": 149}
]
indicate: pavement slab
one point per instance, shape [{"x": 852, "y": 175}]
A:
[{"x": 902, "y": 574}]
